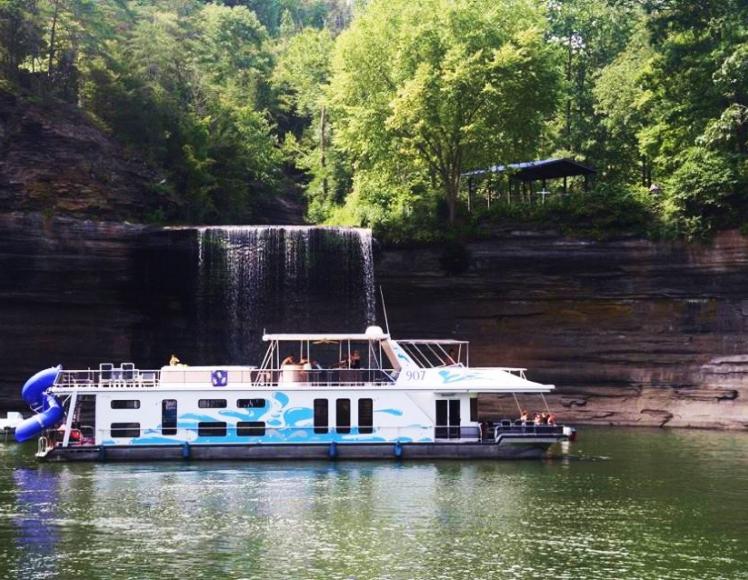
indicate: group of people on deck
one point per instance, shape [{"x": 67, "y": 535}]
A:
[
  {"x": 538, "y": 418},
  {"x": 352, "y": 361}
]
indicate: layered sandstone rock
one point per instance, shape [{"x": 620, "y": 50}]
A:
[{"x": 631, "y": 331}]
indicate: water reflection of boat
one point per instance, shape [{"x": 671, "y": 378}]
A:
[
  {"x": 36, "y": 507},
  {"x": 313, "y": 396}
]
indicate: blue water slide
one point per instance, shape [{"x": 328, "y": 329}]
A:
[{"x": 49, "y": 410}]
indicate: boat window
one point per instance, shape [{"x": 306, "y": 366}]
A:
[
  {"x": 250, "y": 428},
  {"x": 212, "y": 403},
  {"x": 343, "y": 415},
  {"x": 365, "y": 416},
  {"x": 251, "y": 403},
  {"x": 447, "y": 419},
  {"x": 169, "y": 417},
  {"x": 211, "y": 429},
  {"x": 125, "y": 430},
  {"x": 126, "y": 404},
  {"x": 320, "y": 416},
  {"x": 474, "y": 409},
  {"x": 454, "y": 419}
]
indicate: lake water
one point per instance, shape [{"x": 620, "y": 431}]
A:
[{"x": 627, "y": 504}]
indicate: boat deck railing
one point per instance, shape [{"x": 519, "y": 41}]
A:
[
  {"x": 323, "y": 377},
  {"x": 109, "y": 378},
  {"x": 87, "y": 434},
  {"x": 526, "y": 427},
  {"x": 130, "y": 377}
]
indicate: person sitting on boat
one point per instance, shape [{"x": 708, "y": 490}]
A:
[
  {"x": 344, "y": 363},
  {"x": 537, "y": 420},
  {"x": 75, "y": 433},
  {"x": 289, "y": 360},
  {"x": 552, "y": 419},
  {"x": 355, "y": 360},
  {"x": 174, "y": 361},
  {"x": 524, "y": 417}
]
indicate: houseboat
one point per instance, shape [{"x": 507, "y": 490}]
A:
[{"x": 314, "y": 396}]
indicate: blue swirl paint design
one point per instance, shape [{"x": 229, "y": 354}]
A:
[
  {"x": 282, "y": 398},
  {"x": 448, "y": 377},
  {"x": 283, "y": 425},
  {"x": 292, "y": 417},
  {"x": 245, "y": 415},
  {"x": 393, "y": 412}
]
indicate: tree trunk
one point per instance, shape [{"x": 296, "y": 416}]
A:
[
  {"x": 52, "y": 35},
  {"x": 452, "y": 187},
  {"x": 323, "y": 148},
  {"x": 569, "y": 97}
]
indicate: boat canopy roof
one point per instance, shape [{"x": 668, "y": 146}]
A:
[
  {"x": 327, "y": 337},
  {"x": 447, "y": 341}
]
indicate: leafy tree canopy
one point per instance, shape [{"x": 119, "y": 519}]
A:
[{"x": 423, "y": 90}]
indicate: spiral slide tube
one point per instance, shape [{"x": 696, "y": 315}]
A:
[{"x": 49, "y": 410}]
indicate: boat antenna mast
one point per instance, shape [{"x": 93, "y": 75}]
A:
[{"x": 384, "y": 310}]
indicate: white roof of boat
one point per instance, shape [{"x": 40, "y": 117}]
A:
[
  {"x": 431, "y": 341},
  {"x": 328, "y": 337}
]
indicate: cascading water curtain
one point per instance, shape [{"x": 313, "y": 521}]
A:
[{"x": 280, "y": 279}]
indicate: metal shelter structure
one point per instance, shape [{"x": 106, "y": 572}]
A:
[{"x": 522, "y": 177}]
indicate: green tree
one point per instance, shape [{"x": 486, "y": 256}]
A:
[
  {"x": 696, "y": 129},
  {"x": 301, "y": 76},
  {"x": 21, "y": 36},
  {"x": 591, "y": 34},
  {"x": 423, "y": 90},
  {"x": 622, "y": 106}
]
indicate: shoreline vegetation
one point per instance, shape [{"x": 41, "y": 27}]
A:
[{"x": 372, "y": 111}]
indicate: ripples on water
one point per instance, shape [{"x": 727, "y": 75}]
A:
[{"x": 661, "y": 504}]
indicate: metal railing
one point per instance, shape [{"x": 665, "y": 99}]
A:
[
  {"x": 215, "y": 377},
  {"x": 114, "y": 378},
  {"x": 323, "y": 377},
  {"x": 54, "y": 436},
  {"x": 526, "y": 427}
]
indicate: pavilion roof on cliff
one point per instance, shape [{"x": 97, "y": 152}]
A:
[{"x": 536, "y": 170}]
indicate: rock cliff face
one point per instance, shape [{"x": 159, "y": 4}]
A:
[
  {"x": 631, "y": 331},
  {"x": 54, "y": 159},
  {"x": 65, "y": 296}
]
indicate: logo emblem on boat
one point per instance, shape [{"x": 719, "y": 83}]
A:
[{"x": 219, "y": 378}]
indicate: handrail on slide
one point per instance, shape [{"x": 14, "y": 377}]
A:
[{"x": 48, "y": 408}]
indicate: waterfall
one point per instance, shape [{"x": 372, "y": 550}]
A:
[{"x": 280, "y": 279}]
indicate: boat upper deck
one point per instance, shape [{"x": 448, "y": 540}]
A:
[
  {"x": 456, "y": 378},
  {"x": 324, "y": 361}
]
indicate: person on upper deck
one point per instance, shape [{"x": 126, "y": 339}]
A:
[
  {"x": 525, "y": 416},
  {"x": 355, "y": 360},
  {"x": 289, "y": 360}
]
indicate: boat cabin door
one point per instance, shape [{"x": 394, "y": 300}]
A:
[{"x": 447, "y": 419}]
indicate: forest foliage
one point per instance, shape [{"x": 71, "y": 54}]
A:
[{"x": 376, "y": 109}]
